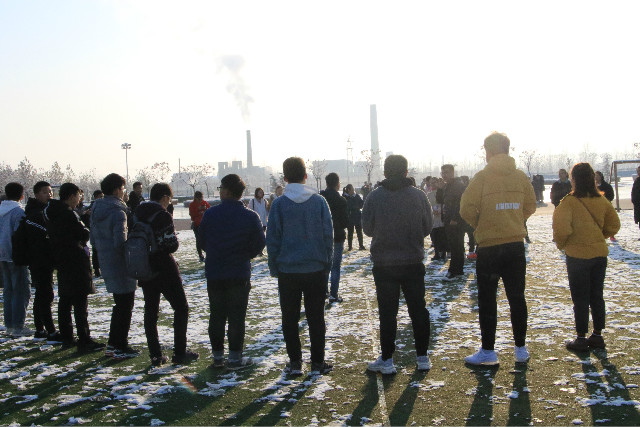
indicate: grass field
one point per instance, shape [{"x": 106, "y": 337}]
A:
[{"x": 44, "y": 384}]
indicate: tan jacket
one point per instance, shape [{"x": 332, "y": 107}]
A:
[
  {"x": 497, "y": 202},
  {"x": 576, "y": 231}
]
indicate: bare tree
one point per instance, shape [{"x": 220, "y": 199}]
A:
[
  {"x": 317, "y": 168},
  {"x": 25, "y": 174},
  {"x": 6, "y": 175},
  {"x": 369, "y": 159},
  {"x": 605, "y": 165},
  {"x": 194, "y": 175},
  {"x": 153, "y": 174},
  {"x": 55, "y": 175},
  {"x": 89, "y": 182},
  {"x": 529, "y": 159},
  {"x": 275, "y": 180}
]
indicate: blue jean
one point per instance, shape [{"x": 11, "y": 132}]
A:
[
  {"x": 336, "y": 261},
  {"x": 17, "y": 292}
]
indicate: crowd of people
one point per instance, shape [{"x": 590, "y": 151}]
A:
[{"x": 304, "y": 234}]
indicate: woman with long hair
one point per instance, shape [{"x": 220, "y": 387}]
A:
[
  {"x": 259, "y": 205},
  {"x": 581, "y": 223}
]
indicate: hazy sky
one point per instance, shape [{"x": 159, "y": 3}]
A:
[{"x": 79, "y": 78}]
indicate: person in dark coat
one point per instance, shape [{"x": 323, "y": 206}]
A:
[
  {"x": 604, "y": 186},
  {"x": 135, "y": 197},
  {"x": 69, "y": 239},
  {"x": 454, "y": 225},
  {"x": 635, "y": 197},
  {"x": 40, "y": 261},
  {"x": 560, "y": 188},
  {"x": 108, "y": 235},
  {"x": 167, "y": 280},
  {"x": 354, "y": 212},
  {"x": 231, "y": 235},
  {"x": 338, "y": 207}
]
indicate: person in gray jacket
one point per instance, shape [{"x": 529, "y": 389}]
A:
[
  {"x": 398, "y": 217},
  {"x": 108, "y": 234}
]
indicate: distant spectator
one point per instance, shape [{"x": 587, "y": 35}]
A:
[
  {"x": 560, "y": 188},
  {"x": 259, "y": 205},
  {"x": 354, "y": 212},
  {"x": 338, "y": 209},
  {"x": 454, "y": 225},
  {"x": 135, "y": 197},
  {"x": 604, "y": 186},
  {"x": 438, "y": 236},
  {"x": 196, "y": 210},
  {"x": 635, "y": 197}
]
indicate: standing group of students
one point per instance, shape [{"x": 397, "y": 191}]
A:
[{"x": 305, "y": 239}]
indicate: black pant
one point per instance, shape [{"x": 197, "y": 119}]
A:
[
  {"x": 228, "y": 300},
  {"x": 389, "y": 280},
  {"x": 439, "y": 240},
  {"x": 358, "y": 228},
  {"x": 80, "y": 305},
  {"x": 198, "y": 241},
  {"x": 455, "y": 240},
  {"x": 121, "y": 320},
  {"x": 174, "y": 293},
  {"x": 94, "y": 260},
  {"x": 291, "y": 287},
  {"x": 506, "y": 261},
  {"x": 586, "y": 282},
  {"x": 42, "y": 281}
]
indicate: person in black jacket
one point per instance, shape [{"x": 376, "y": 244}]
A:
[
  {"x": 454, "y": 225},
  {"x": 635, "y": 197},
  {"x": 167, "y": 281},
  {"x": 40, "y": 261},
  {"x": 135, "y": 197},
  {"x": 69, "y": 239},
  {"x": 604, "y": 186},
  {"x": 560, "y": 188},
  {"x": 338, "y": 207},
  {"x": 354, "y": 206}
]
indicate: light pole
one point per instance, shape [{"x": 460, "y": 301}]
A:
[{"x": 126, "y": 147}]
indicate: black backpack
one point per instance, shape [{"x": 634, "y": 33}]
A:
[
  {"x": 20, "y": 244},
  {"x": 140, "y": 244}
]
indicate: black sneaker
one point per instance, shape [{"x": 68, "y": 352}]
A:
[
  {"x": 218, "y": 362},
  {"x": 55, "y": 337},
  {"x": 187, "y": 357},
  {"x": 159, "y": 360},
  {"x": 293, "y": 368},
  {"x": 579, "y": 344},
  {"x": 335, "y": 299},
  {"x": 41, "y": 334},
  {"x": 596, "y": 341},
  {"x": 125, "y": 353},
  {"x": 69, "y": 343},
  {"x": 245, "y": 362},
  {"x": 362, "y": 248},
  {"x": 90, "y": 345},
  {"x": 321, "y": 368}
]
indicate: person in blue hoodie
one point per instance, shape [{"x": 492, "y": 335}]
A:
[
  {"x": 300, "y": 248},
  {"x": 16, "y": 293},
  {"x": 231, "y": 235}
]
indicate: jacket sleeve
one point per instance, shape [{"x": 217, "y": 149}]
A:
[
  {"x": 555, "y": 199},
  {"x": 611, "y": 222},
  {"x": 562, "y": 218},
  {"x": 529, "y": 203},
  {"x": 327, "y": 232},
  {"x": 341, "y": 219},
  {"x": 119, "y": 229},
  {"x": 256, "y": 237},
  {"x": 202, "y": 235},
  {"x": 470, "y": 202},
  {"x": 368, "y": 217},
  {"x": 274, "y": 238},
  {"x": 166, "y": 234},
  {"x": 427, "y": 217}
]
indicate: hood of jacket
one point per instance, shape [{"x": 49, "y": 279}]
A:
[
  {"x": 146, "y": 209},
  {"x": 103, "y": 208},
  {"x": 299, "y": 193},
  {"x": 7, "y": 206},
  {"x": 501, "y": 164},
  {"x": 34, "y": 206},
  {"x": 396, "y": 183},
  {"x": 54, "y": 209}
]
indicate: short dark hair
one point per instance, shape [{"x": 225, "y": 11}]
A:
[
  {"x": 448, "y": 166},
  {"x": 67, "y": 190},
  {"x": 332, "y": 180},
  {"x": 234, "y": 184},
  {"x": 137, "y": 184},
  {"x": 39, "y": 185},
  {"x": 584, "y": 182},
  {"x": 111, "y": 183},
  {"x": 14, "y": 191},
  {"x": 497, "y": 143},
  {"x": 159, "y": 190},
  {"x": 97, "y": 193},
  {"x": 395, "y": 166},
  {"x": 197, "y": 195},
  {"x": 294, "y": 170}
]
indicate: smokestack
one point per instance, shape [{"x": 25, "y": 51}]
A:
[
  {"x": 374, "y": 129},
  {"x": 249, "y": 153}
]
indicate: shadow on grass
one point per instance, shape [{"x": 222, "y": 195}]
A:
[
  {"x": 520, "y": 405},
  {"x": 481, "y": 410},
  {"x": 403, "y": 408}
]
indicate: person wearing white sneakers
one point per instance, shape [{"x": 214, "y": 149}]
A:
[
  {"x": 496, "y": 204},
  {"x": 398, "y": 217}
]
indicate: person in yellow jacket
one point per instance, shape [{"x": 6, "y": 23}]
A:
[
  {"x": 496, "y": 204},
  {"x": 581, "y": 223}
]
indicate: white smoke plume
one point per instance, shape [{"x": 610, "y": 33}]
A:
[{"x": 236, "y": 86}]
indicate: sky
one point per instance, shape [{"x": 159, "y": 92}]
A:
[{"x": 183, "y": 81}]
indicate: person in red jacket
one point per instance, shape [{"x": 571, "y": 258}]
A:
[{"x": 196, "y": 211}]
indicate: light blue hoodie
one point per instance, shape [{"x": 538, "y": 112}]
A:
[
  {"x": 11, "y": 213},
  {"x": 300, "y": 232}
]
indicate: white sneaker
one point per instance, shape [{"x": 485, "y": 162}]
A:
[
  {"x": 383, "y": 366},
  {"x": 21, "y": 332},
  {"x": 2, "y": 328},
  {"x": 482, "y": 357},
  {"x": 424, "y": 364},
  {"x": 522, "y": 354}
]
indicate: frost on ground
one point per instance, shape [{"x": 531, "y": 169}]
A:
[{"x": 35, "y": 382}]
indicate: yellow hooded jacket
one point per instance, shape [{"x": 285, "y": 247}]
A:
[
  {"x": 576, "y": 231},
  {"x": 497, "y": 201}
]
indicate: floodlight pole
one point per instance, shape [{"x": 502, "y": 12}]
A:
[{"x": 126, "y": 147}]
